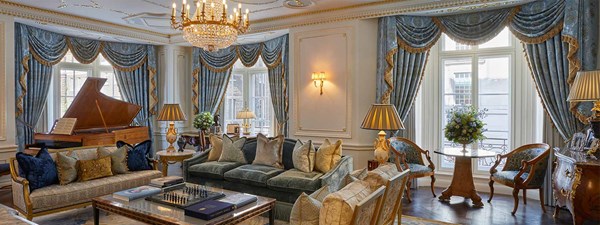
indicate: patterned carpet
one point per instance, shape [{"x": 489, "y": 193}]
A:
[{"x": 85, "y": 217}]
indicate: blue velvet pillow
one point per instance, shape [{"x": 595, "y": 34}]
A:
[
  {"x": 138, "y": 155},
  {"x": 39, "y": 170}
]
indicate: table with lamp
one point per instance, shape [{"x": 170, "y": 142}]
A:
[
  {"x": 382, "y": 117},
  {"x": 171, "y": 113},
  {"x": 246, "y": 115}
]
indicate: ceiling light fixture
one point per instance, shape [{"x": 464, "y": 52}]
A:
[{"x": 210, "y": 28}]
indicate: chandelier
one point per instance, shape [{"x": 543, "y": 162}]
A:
[{"x": 209, "y": 27}]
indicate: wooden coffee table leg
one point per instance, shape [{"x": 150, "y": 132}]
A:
[
  {"x": 462, "y": 182},
  {"x": 96, "y": 215},
  {"x": 271, "y": 217},
  {"x": 165, "y": 166}
]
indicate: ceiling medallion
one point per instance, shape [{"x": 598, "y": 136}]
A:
[
  {"x": 298, "y": 4},
  {"x": 209, "y": 27}
]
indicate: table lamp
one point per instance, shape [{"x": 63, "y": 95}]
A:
[
  {"x": 246, "y": 115},
  {"x": 171, "y": 113},
  {"x": 382, "y": 117},
  {"x": 586, "y": 88}
]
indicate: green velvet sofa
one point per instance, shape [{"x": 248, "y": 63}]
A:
[{"x": 285, "y": 184}]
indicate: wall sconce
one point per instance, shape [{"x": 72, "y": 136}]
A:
[{"x": 318, "y": 77}]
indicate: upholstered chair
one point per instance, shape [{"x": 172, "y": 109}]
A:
[
  {"x": 392, "y": 199},
  {"x": 366, "y": 210},
  {"x": 411, "y": 158},
  {"x": 525, "y": 168}
]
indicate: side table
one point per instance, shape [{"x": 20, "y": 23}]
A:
[
  {"x": 167, "y": 157},
  {"x": 462, "y": 180}
]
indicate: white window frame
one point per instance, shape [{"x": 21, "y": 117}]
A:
[
  {"x": 247, "y": 73},
  {"x": 94, "y": 69},
  {"x": 475, "y": 53}
]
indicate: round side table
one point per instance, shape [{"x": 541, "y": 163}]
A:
[
  {"x": 167, "y": 157},
  {"x": 462, "y": 179}
]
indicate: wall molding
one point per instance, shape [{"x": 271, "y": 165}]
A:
[
  {"x": 3, "y": 76},
  {"x": 345, "y": 131}
]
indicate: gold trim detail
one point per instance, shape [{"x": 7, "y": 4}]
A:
[
  {"x": 237, "y": 50},
  {"x": 576, "y": 183},
  {"x": 536, "y": 40},
  {"x": 154, "y": 97},
  {"x": 23, "y": 83},
  {"x": 402, "y": 44},
  {"x": 387, "y": 77},
  {"x": 195, "y": 90},
  {"x": 574, "y": 66},
  {"x": 70, "y": 47}
]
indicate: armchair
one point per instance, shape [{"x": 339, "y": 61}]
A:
[
  {"x": 392, "y": 199},
  {"x": 525, "y": 168},
  {"x": 411, "y": 157}
]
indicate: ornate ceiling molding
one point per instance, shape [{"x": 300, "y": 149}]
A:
[{"x": 52, "y": 17}]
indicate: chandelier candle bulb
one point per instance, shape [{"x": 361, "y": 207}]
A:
[{"x": 174, "y": 11}]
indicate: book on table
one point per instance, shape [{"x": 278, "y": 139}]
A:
[
  {"x": 209, "y": 209},
  {"x": 166, "y": 181},
  {"x": 135, "y": 193},
  {"x": 239, "y": 200}
]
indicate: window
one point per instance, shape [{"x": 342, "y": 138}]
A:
[
  {"x": 69, "y": 76},
  {"x": 480, "y": 76},
  {"x": 249, "y": 87}
]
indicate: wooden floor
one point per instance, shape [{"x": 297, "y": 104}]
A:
[{"x": 456, "y": 211}]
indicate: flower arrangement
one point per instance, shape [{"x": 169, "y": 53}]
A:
[
  {"x": 203, "y": 121},
  {"x": 464, "y": 125}
]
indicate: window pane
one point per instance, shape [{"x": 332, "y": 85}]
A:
[
  {"x": 70, "y": 82},
  {"x": 457, "y": 91},
  {"x": 69, "y": 58},
  {"x": 110, "y": 88},
  {"x": 501, "y": 40},
  {"x": 234, "y": 99},
  {"x": 494, "y": 79},
  {"x": 450, "y": 45},
  {"x": 261, "y": 103},
  {"x": 103, "y": 61}
]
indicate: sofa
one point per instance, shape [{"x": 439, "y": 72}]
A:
[
  {"x": 55, "y": 198},
  {"x": 284, "y": 185}
]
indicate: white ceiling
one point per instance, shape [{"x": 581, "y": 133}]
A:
[{"x": 154, "y": 15}]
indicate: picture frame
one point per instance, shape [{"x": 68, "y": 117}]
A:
[{"x": 233, "y": 128}]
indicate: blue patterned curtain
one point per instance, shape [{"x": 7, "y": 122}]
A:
[
  {"x": 555, "y": 50},
  {"x": 38, "y": 50},
  {"x": 212, "y": 70}
]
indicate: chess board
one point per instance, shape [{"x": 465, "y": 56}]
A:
[{"x": 185, "y": 196}]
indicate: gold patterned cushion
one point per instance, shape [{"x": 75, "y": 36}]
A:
[
  {"x": 338, "y": 207},
  {"x": 306, "y": 208},
  {"x": 303, "y": 156},
  {"x": 67, "y": 167},
  {"x": 380, "y": 176},
  {"x": 268, "y": 152},
  {"x": 118, "y": 159},
  {"x": 217, "y": 147},
  {"x": 94, "y": 168},
  {"x": 328, "y": 155}
]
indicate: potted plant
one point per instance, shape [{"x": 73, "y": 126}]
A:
[
  {"x": 464, "y": 125},
  {"x": 203, "y": 122}
]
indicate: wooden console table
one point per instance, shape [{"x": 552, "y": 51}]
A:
[{"x": 166, "y": 157}]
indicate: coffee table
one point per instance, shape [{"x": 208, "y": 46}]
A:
[
  {"x": 462, "y": 179},
  {"x": 156, "y": 213}
]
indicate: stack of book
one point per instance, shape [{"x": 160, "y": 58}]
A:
[
  {"x": 167, "y": 183},
  {"x": 210, "y": 209},
  {"x": 135, "y": 193}
]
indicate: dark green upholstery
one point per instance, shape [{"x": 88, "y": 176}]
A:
[
  {"x": 513, "y": 162},
  {"x": 509, "y": 176},
  {"x": 214, "y": 170},
  {"x": 513, "y": 165},
  {"x": 295, "y": 181},
  {"x": 256, "y": 175}
]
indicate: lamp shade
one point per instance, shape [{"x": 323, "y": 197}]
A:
[
  {"x": 171, "y": 112},
  {"x": 382, "y": 117},
  {"x": 245, "y": 114},
  {"x": 586, "y": 87}
]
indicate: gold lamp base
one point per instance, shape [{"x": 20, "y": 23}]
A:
[
  {"x": 382, "y": 151},
  {"x": 171, "y": 136},
  {"x": 246, "y": 125}
]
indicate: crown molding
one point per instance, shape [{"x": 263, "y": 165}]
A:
[{"x": 52, "y": 17}]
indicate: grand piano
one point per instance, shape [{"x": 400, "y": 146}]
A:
[{"x": 101, "y": 120}]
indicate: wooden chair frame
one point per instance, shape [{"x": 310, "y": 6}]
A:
[
  {"x": 519, "y": 183},
  {"x": 397, "y": 207},
  {"x": 402, "y": 159},
  {"x": 374, "y": 198}
]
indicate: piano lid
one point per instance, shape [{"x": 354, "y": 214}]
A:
[{"x": 116, "y": 113}]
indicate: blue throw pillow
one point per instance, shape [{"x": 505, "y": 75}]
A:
[
  {"x": 138, "y": 155},
  {"x": 39, "y": 170}
]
